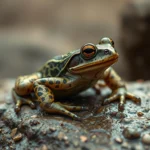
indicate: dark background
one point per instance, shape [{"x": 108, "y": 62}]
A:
[{"x": 33, "y": 31}]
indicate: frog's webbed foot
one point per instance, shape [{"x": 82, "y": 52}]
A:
[
  {"x": 121, "y": 94},
  {"x": 57, "y": 107},
  {"x": 19, "y": 101},
  {"x": 22, "y": 101}
]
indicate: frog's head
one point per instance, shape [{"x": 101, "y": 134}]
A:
[{"x": 94, "y": 57}]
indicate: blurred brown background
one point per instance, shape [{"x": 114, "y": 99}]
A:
[{"x": 33, "y": 31}]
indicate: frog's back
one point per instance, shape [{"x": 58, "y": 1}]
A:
[{"x": 56, "y": 67}]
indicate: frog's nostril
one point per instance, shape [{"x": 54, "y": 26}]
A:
[{"x": 107, "y": 52}]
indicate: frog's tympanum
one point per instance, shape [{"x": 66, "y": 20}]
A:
[{"x": 69, "y": 74}]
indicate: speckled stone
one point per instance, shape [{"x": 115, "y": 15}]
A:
[
  {"x": 146, "y": 139},
  {"x": 131, "y": 133}
]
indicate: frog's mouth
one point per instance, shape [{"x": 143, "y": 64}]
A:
[{"x": 101, "y": 64}]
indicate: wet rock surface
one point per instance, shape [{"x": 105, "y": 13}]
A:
[{"x": 102, "y": 127}]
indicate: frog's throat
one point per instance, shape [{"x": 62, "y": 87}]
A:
[{"x": 101, "y": 64}]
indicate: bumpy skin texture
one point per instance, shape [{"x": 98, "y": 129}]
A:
[{"x": 69, "y": 74}]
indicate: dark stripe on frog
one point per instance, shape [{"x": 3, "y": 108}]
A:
[
  {"x": 50, "y": 82},
  {"x": 40, "y": 89},
  {"x": 47, "y": 72},
  {"x": 50, "y": 97},
  {"x": 57, "y": 86},
  {"x": 39, "y": 93},
  {"x": 47, "y": 90},
  {"x": 54, "y": 72},
  {"x": 57, "y": 82},
  {"x": 64, "y": 81},
  {"x": 50, "y": 64},
  {"x": 43, "y": 98},
  {"x": 43, "y": 81}
]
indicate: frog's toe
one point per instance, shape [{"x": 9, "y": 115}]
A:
[
  {"x": 73, "y": 108},
  {"x": 76, "y": 108},
  {"x": 122, "y": 103},
  {"x": 30, "y": 103},
  {"x": 75, "y": 117},
  {"x": 18, "y": 106},
  {"x": 134, "y": 98},
  {"x": 110, "y": 99},
  {"x": 17, "y": 109}
]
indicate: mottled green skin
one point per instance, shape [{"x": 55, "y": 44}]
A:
[{"x": 60, "y": 66}]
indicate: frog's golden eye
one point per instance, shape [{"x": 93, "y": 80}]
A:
[{"x": 88, "y": 51}]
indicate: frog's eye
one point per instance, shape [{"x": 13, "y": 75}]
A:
[
  {"x": 88, "y": 51},
  {"x": 107, "y": 40}
]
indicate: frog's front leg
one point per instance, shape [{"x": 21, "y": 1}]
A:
[
  {"x": 118, "y": 89},
  {"x": 43, "y": 89}
]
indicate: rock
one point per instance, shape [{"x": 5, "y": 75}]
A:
[
  {"x": 34, "y": 122},
  {"x": 119, "y": 140},
  {"x": 125, "y": 145},
  {"x": 131, "y": 133},
  {"x": 18, "y": 137},
  {"x": 61, "y": 136},
  {"x": 52, "y": 129},
  {"x": 102, "y": 130},
  {"x": 76, "y": 143},
  {"x": 44, "y": 147},
  {"x": 83, "y": 138},
  {"x": 127, "y": 120},
  {"x": 2, "y": 108},
  {"x": 140, "y": 114},
  {"x": 146, "y": 138},
  {"x": 13, "y": 132}
]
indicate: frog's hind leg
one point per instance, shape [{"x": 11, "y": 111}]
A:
[
  {"x": 19, "y": 101},
  {"x": 23, "y": 89},
  {"x": 46, "y": 97}
]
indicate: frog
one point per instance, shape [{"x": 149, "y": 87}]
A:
[{"x": 70, "y": 74}]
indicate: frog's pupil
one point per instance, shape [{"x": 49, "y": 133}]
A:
[{"x": 88, "y": 50}]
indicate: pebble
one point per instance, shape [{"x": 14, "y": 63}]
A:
[
  {"x": 44, "y": 132},
  {"x": 44, "y": 147},
  {"x": 140, "y": 114},
  {"x": 127, "y": 120},
  {"x": 120, "y": 115},
  {"x": 114, "y": 113},
  {"x": 61, "y": 136},
  {"x": 83, "y": 138},
  {"x": 52, "y": 129},
  {"x": 146, "y": 110},
  {"x": 18, "y": 137},
  {"x": 34, "y": 116},
  {"x": 13, "y": 132},
  {"x": 34, "y": 122},
  {"x": 75, "y": 143},
  {"x": 148, "y": 125},
  {"x": 148, "y": 116},
  {"x": 125, "y": 145},
  {"x": 132, "y": 111},
  {"x": 131, "y": 133},
  {"x": 146, "y": 138},
  {"x": 118, "y": 140}
]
